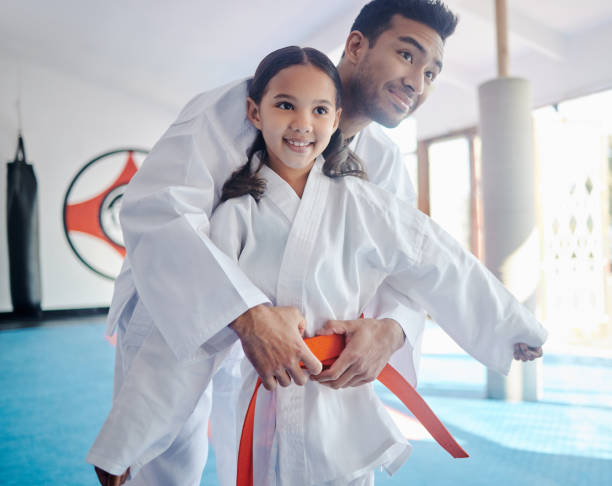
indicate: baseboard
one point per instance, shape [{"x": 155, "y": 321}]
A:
[{"x": 12, "y": 320}]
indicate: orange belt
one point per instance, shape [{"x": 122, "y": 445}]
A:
[{"x": 327, "y": 349}]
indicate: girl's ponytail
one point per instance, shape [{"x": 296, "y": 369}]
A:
[
  {"x": 341, "y": 161},
  {"x": 245, "y": 180}
]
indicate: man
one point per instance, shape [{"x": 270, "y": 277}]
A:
[{"x": 179, "y": 297}]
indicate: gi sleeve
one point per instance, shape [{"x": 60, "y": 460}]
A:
[
  {"x": 460, "y": 294},
  {"x": 391, "y": 174},
  {"x": 190, "y": 288}
]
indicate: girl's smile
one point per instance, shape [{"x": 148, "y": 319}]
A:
[{"x": 298, "y": 145}]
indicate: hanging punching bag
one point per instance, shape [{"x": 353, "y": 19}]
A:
[{"x": 22, "y": 233}]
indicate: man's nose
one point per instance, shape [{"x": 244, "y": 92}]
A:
[{"x": 414, "y": 79}]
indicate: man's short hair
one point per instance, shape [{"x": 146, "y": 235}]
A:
[{"x": 375, "y": 17}]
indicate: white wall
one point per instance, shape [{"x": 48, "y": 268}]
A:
[
  {"x": 65, "y": 122},
  {"x": 584, "y": 69}
]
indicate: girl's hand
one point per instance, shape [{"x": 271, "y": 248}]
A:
[{"x": 523, "y": 352}]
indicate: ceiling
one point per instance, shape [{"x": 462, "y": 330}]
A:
[{"x": 165, "y": 52}]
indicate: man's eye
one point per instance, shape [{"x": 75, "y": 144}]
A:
[
  {"x": 284, "y": 105},
  {"x": 321, "y": 110},
  {"x": 406, "y": 55}
]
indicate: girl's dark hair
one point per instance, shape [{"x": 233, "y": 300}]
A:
[{"x": 339, "y": 159}]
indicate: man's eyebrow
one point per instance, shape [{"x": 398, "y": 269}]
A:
[{"x": 412, "y": 41}]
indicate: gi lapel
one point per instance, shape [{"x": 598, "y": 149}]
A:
[
  {"x": 280, "y": 193},
  {"x": 302, "y": 238}
]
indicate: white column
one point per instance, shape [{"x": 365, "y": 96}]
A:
[{"x": 508, "y": 192}]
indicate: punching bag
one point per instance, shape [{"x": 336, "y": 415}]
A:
[{"x": 22, "y": 233}]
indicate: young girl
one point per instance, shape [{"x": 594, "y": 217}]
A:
[{"x": 310, "y": 231}]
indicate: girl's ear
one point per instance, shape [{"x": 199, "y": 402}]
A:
[
  {"x": 337, "y": 120},
  {"x": 253, "y": 113},
  {"x": 356, "y": 46}
]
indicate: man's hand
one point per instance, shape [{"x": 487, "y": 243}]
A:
[
  {"x": 524, "y": 353},
  {"x": 369, "y": 345},
  {"x": 108, "y": 479},
  {"x": 272, "y": 341}
]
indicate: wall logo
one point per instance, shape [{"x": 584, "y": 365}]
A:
[{"x": 91, "y": 210}]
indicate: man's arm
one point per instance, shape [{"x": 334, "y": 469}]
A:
[{"x": 180, "y": 275}]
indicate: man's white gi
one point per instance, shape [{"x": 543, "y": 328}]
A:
[
  {"x": 177, "y": 292},
  {"x": 327, "y": 254}
]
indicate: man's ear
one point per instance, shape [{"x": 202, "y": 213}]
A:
[
  {"x": 252, "y": 110},
  {"x": 337, "y": 120},
  {"x": 356, "y": 46}
]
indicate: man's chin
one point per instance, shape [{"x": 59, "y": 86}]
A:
[
  {"x": 389, "y": 121},
  {"x": 388, "y": 117}
]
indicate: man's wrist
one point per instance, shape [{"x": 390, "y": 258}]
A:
[
  {"x": 396, "y": 333},
  {"x": 244, "y": 321}
]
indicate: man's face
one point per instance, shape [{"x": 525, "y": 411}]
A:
[{"x": 394, "y": 77}]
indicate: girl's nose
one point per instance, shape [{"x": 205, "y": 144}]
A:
[{"x": 301, "y": 123}]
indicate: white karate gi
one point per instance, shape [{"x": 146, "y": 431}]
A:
[
  {"x": 327, "y": 254},
  {"x": 177, "y": 293}
]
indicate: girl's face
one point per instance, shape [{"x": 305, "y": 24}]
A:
[{"x": 297, "y": 116}]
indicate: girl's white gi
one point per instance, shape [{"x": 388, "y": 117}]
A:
[
  {"x": 177, "y": 292},
  {"x": 327, "y": 254}
]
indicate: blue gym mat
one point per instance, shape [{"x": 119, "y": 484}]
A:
[{"x": 56, "y": 385}]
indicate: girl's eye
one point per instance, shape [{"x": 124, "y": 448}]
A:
[
  {"x": 285, "y": 105},
  {"x": 406, "y": 55},
  {"x": 430, "y": 75},
  {"x": 321, "y": 110}
]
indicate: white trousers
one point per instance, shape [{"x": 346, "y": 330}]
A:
[
  {"x": 159, "y": 421},
  {"x": 365, "y": 480},
  {"x": 183, "y": 462}
]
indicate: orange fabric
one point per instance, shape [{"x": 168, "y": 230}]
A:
[{"x": 327, "y": 349}]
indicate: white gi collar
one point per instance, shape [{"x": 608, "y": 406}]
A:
[{"x": 280, "y": 192}]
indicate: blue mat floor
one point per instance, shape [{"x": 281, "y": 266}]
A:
[{"x": 56, "y": 382}]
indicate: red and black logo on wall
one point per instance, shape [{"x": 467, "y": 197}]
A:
[{"x": 91, "y": 210}]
